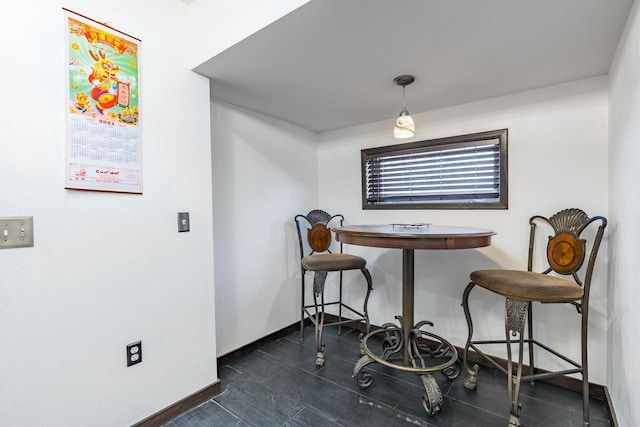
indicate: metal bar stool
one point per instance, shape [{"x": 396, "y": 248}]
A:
[
  {"x": 565, "y": 254},
  {"x": 321, "y": 260}
]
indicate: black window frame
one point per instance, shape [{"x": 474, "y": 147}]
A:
[{"x": 443, "y": 201}]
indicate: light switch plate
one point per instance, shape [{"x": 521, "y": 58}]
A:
[
  {"x": 183, "y": 221},
  {"x": 16, "y": 232}
]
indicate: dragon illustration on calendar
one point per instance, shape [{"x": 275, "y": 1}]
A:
[{"x": 104, "y": 144}]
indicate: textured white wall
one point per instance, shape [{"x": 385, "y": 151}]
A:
[
  {"x": 108, "y": 269},
  {"x": 624, "y": 205},
  {"x": 264, "y": 173},
  {"x": 557, "y": 160}
]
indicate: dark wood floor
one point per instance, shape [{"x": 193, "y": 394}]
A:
[{"x": 280, "y": 385}]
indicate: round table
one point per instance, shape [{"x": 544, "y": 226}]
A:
[{"x": 404, "y": 340}]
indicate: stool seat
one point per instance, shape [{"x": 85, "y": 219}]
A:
[
  {"x": 527, "y": 285},
  {"x": 333, "y": 262}
]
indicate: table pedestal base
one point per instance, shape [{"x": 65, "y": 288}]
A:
[{"x": 427, "y": 353}]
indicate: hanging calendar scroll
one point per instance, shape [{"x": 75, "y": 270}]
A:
[{"x": 104, "y": 140}]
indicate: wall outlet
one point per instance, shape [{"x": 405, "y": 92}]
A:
[{"x": 134, "y": 353}]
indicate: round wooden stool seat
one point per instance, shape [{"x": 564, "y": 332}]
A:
[
  {"x": 333, "y": 262},
  {"x": 528, "y": 286}
]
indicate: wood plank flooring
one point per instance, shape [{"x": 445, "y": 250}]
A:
[{"x": 280, "y": 385}]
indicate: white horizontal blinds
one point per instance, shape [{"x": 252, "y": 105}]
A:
[{"x": 460, "y": 172}]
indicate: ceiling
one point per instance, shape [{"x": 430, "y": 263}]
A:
[{"x": 330, "y": 64}]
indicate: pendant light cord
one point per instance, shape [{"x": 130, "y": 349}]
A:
[{"x": 404, "y": 104}]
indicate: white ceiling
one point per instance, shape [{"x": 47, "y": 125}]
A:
[{"x": 331, "y": 63}]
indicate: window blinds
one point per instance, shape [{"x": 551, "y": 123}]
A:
[{"x": 464, "y": 172}]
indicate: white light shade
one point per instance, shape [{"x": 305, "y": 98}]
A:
[{"x": 404, "y": 128}]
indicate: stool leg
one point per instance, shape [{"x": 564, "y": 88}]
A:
[
  {"x": 302, "y": 308},
  {"x": 585, "y": 368},
  {"x": 532, "y": 363},
  {"x": 471, "y": 381},
  {"x": 365, "y": 307},
  {"x": 319, "y": 279},
  {"x": 515, "y": 318},
  {"x": 340, "y": 305}
]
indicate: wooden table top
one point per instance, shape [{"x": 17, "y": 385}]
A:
[{"x": 414, "y": 236}]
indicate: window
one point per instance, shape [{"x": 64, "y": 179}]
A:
[{"x": 458, "y": 172}]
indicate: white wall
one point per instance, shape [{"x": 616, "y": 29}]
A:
[
  {"x": 624, "y": 205},
  {"x": 557, "y": 160},
  {"x": 108, "y": 269},
  {"x": 216, "y": 25},
  {"x": 264, "y": 173}
]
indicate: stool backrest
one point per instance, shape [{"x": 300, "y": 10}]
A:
[
  {"x": 318, "y": 232},
  {"x": 566, "y": 248}
]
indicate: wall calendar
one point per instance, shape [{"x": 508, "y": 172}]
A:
[{"x": 104, "y": 139}]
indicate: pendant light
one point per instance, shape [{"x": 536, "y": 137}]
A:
[{"x": 404, "y": 127}]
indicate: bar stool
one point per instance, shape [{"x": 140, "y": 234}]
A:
[
  {"x": 565, "y": 255},
  {"x": 320, "y": 259}
]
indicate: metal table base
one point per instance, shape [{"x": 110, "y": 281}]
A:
[{"x": 409, "y": 348}]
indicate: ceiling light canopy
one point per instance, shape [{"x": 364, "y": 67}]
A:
[{"x": 404, "y": 127}]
